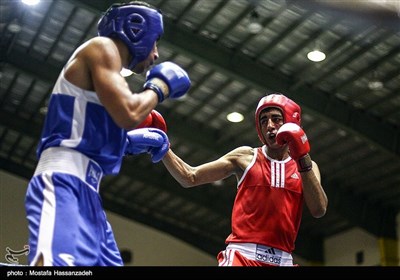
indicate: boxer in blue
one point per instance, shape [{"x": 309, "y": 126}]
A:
[{"x": 90, "y": 126}]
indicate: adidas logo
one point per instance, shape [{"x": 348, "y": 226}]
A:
[
  {"x": 294, "y": 176},
  {"x": 270, "y": 251}
]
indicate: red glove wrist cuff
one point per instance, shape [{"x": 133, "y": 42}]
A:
[{"x": 304, "y": 163}]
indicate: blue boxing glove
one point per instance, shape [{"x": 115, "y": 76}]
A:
[
  {"x": 147, "y": 140},
  {"x": 167, "y": 79}
]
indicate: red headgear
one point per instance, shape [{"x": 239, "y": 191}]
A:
[{"x": 291, "y": 110}]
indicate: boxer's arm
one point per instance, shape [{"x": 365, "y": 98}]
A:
[
  {"x": 232, "y": 163},
  {"x": 299, "y": 148}
]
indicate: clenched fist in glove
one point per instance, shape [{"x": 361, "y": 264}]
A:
[
  {"x": 296, "y": 138},
  {"x": 167, "y": 79},
  {"x": 154, "y": 119},
  {"x": 147, "y": 140}
]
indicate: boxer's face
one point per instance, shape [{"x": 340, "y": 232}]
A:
[
  {"x": 148, "y": 62},
  {"x": 271, "y": 119}
]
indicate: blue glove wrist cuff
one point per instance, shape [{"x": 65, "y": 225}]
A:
[{"x": 156, "y": 89}]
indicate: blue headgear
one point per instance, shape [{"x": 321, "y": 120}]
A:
[{"x": 139, "y": 27}]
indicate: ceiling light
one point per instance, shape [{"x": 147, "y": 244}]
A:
[
  {"x": 43, "y": 110},
  {"x": 316, "y": 56},
  {"x": 217, "y": 183},
  {"x": 30, "y": 2},
  {"x": 375, "y": 85},
  {"x": 235, "y": 117},
  {"x": 254, "y": 25},
  {"x": 14, "y": 27},
  {"x": 374, "y": 82}
]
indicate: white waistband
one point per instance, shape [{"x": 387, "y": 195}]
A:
[
  {"x": 262, "y": 253},
  {"x": 65, "y": 160}
]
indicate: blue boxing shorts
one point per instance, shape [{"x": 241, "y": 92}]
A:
[{"x": 67, "y": 223}]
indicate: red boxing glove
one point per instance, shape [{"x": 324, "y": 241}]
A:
[
  {"x": 158, "y": 121},
  {"x": 154, "y": 119},
  {"x": 299, "y": 147},
  {"x": 147, "y": 122}
]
